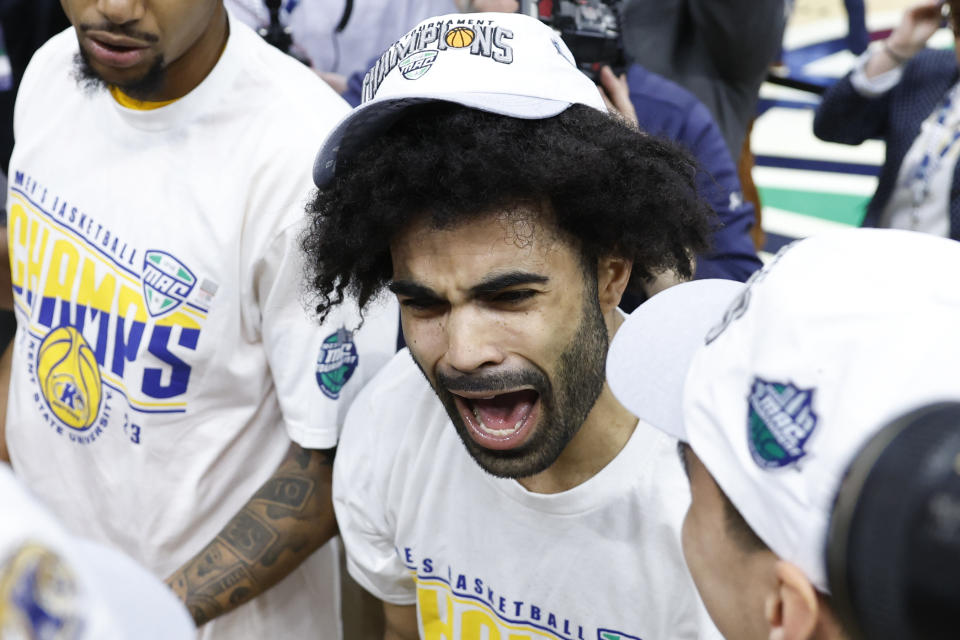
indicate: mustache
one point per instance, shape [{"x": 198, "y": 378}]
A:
[
  {"x": 494, "y": 382},
  {"x": 119, "y": 30}
]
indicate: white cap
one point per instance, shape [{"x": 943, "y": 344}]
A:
[
  {"x": 840, "y": 334},
  {"x": 56, "y": 585},
  {"x": 504, "y": 63}
]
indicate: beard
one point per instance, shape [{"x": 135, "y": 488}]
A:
[
  {"x": 139, "y": 89},
  {"x": 565, "y": 401}
]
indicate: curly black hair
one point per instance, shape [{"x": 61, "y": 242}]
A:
[{"x": 615, "y": 190}]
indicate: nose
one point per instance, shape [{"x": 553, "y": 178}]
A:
[
  {"x": 472, "y": 341},
  {"x": 121, "y": 11}
]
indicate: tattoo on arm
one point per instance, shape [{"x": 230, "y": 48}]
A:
[{"x": 289, "y": 517}]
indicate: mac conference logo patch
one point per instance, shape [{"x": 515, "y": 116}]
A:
[
  {"x": 167, "y": 282},
  {"x": 336, "y": 363},
  {"x": 417, "y": 64},
  {"x": 779, "y": 423}
]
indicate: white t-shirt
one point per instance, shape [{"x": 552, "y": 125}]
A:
[
  {"x": 53, "y": 585},
  {"x": 424, "y": 524},
  {"x": 373, "y": 26},
  {"x": 163, "y": 358}
]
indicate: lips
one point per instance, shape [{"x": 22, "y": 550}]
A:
[
  {"x": 501, "y": 421},
  {"x": 119, "y": 52}
]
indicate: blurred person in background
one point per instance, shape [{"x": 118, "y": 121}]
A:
[
  {"x": 340, "y": 37},
  {"x": 719, "y": 51},
  {"x": 858, "y": 38},
  {"x": 908, "y": 96}
]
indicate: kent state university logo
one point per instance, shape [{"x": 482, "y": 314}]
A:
[
  {"x": 39, "y": 597},
  {"x": 417, "y": 64},
  {"x": 336, "y": 363},
  {"x": 69, "y": 378},
  {"x": 167, "y": 282},
  {"x": 780, "y": 421},
  {"x": 607, "y": 634}
]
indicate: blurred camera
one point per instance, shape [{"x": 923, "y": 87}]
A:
[
  {"x": 590, "y": 28},
  {"x": 278, "y": 35}
]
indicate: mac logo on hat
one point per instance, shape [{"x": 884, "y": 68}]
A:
[
  {"x": 779, "y": 423},
  {"x": 417, "y": 64}
]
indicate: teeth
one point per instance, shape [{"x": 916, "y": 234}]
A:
[{"x": 497, "y": 432}]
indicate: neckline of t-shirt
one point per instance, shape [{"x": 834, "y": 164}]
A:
[
  {"x": 214, "y": 84},
  {"x": 608, "y": 483}
]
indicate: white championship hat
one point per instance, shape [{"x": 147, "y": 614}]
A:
[
  {"x": 504, "y": 63},
  {"x": 777, "y": 384},
  {"x": 55, "y": 585}
]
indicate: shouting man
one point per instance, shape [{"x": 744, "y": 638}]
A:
[
  {"x": 168, "y": 393},
  {"x": 491, "y": 484}
]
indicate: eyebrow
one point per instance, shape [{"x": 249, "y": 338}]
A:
[
  {"x": 493, "y": 284},
  {"x": 411, "y": 289},
  {"x": 489, "y": 285}
]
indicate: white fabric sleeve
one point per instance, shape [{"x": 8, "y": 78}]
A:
[
  {"x": 362, "y": 475},
  {"x": 877, "y": 85},
  {"x": 292, "y": 338}
]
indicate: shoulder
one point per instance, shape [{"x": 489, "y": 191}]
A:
[
  {"x": 395, "y": 432},
  {"x": 391, "y": 416},
  {"x": 281, "y": 86},
  {"x": 52, "y": 62},
  {"x": 57, "y": 51}
]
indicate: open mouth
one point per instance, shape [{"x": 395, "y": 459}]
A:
[
  {"x": 116, "y": 54},
  {"x": 500, "y": 421}
]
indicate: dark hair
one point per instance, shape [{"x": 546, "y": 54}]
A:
[{"x": 609, "y": 187}]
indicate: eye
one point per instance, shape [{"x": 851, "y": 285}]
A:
[{"x": 513, "y": 296}]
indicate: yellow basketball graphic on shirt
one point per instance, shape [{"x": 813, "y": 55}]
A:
[
  {"x": 69, "y": 377},
  {"x": 459, "y": 37}
]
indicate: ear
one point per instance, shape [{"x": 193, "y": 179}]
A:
[
  {"x": 793, "y": 610},
  {"x": 613, "y": 275}
]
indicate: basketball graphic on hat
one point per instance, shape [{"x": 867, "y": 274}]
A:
[
  {"x": 69, "y": 377},
  {"x": 459, "y": 37}
]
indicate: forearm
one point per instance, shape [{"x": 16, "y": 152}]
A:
[
  {"x": 890, "y": 56},
  {"x": 5, "y": 362},
  {"x": 6, "y": 284},
  {"x": 847, "y": 117},
  {"x": 286, "y": 520},
  {"x": 910, "y": 36},
  {"x": 400, "y": 622}
]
